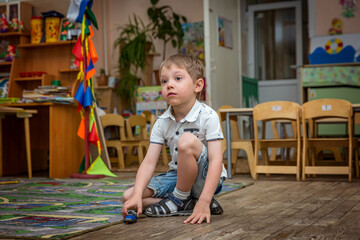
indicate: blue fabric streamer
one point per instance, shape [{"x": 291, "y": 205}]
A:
[{"x": 79, "y": 96}]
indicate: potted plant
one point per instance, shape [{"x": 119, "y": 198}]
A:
[
  {"x": 134, "y": 42},
  {"x": 102, "y": 79},
  {"x": 166, "y": 25}
]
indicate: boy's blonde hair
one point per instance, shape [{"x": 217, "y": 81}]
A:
[{"x": 191, "y": 64}]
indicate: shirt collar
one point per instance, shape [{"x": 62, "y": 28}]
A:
[{"x": 190, "y": 117}]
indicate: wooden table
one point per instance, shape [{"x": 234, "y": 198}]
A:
[
  {"x": 231, "y": 112},
  {"x": 20, "y": 113},
  {"x": 54, "y": 141},
  {"x": 249, "y": 112}
]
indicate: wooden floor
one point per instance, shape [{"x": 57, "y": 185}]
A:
[{"x": 275, "y": 207}]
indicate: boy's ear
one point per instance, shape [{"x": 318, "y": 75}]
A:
[{"x": 199, "y": 84}]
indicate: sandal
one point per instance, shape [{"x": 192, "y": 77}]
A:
[
  {"x": 215, "y": 207},
  {"x": 165, "y": 207}
]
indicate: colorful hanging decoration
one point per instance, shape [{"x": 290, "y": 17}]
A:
[
  {"x": 86, "y": 57},
  {"x": 349, "y": 7}
]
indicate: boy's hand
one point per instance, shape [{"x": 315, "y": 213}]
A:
[
  {"x": 133, "y": 203},
  {"x": 201, "y": 213}
]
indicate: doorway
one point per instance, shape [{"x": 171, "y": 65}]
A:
[{"x": 275, "y": 49}]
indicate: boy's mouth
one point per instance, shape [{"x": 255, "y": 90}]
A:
[{"x": 171, "y": 94}]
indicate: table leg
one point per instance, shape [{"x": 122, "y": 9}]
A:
[
  {"x": 228, "y": 145},
  {"x": 28, "y": 147},
  {"x": 1, "y": 163},
  {"x": 251, "y": 127}
]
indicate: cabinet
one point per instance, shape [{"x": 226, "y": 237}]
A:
[
  {"x": 55, "y": 146},
  {"x": 332, "y": 81}
]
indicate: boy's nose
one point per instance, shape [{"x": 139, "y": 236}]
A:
[{"x": 170, "y": 83}]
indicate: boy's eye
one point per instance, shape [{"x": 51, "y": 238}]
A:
[
  {"x": 178, "y": 78},
  {"x": 163, "y": 81}
]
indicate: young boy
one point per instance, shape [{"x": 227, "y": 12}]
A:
[{"x": 193, "y": 133}]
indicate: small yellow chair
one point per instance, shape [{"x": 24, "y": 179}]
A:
[
  {"x": 334, "y": 110},
  {"x": 136, "y": 124},
  {"x": 118, "y": 121},
  {"x": 276, "y": 111},
  {"x": 150, "y": 119}
]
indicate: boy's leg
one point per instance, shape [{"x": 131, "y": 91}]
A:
[
  {"x": 189, "y": 150},
  {"x": 179, "y": 202},
  {"x": 147, "y": 196}
]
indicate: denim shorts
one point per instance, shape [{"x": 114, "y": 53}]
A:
[{"x": 165, "y": 183}]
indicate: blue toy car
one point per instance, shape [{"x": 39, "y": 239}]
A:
[{"x": 131, "y": 217}]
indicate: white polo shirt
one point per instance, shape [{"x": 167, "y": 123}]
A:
[{"x": 202, "y": 121}]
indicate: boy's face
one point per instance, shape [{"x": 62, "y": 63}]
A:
[{"x": 178, "y": 88}]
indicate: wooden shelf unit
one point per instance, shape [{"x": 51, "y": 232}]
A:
[
  {"x": 51, "y": 44},
  {"x": 5, "y": 63},
  {"x": 14, "y": 38},
  {"x": 52, "y": 58},
  {"x": 54, "y": 143},
  {"x": 69, "y": 70}
]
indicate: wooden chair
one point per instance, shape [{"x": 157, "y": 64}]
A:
[
  {"x": 357, "y": 163},
  {"x": 275, "y": 131},
  {"x": 118, "y": 121},
  {"x": 236, "y": 142},
  {"x": 319, "y": 110},
  {"x": 136, "y": 124},
  {"x": 150, "y": 119},
  {"x": 276, "y": 111}
]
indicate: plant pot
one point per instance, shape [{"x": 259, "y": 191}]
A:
[{"x": 102, "y": 80}]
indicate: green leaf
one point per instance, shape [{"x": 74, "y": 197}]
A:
[{"x": 153, "y": 2}]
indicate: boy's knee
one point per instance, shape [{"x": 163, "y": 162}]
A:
[
  {"x": 187, "y": 142},
  {"x": 127, "y": 194}
]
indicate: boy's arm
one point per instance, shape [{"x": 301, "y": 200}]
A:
[
  {"x": 202, "y": 210},
  {"x": 143, "y": 177}
]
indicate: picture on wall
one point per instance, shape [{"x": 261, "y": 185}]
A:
[
  {"x": 193, "y": 43},
  {"x": 225, "y": 33},
  {"x": 67, "y": 30},
  {"x": 13, "y": 11}
]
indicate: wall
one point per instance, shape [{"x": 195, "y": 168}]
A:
[
  {"x": 223, "y": 66},
  {"x": 327, "y": 10},
  {"x": 118, "y": 13}
]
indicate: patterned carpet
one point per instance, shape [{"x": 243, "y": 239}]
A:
[{"x": 63, "y": 208}]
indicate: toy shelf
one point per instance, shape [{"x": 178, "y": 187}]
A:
[
  {"x": 51, "y": 44},
  {"x": 5, "y": 63},
  {"x": 45, "y": 79},
  {"x": 68, "y": 70},
  {"x": 27, "y": 79},
  {"x": 15, "y": 34}
]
